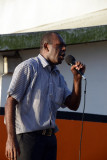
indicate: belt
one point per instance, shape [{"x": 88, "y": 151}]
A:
[{"x": 45, "y": 132}]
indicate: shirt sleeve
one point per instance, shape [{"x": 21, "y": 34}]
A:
[{"x": 20, "y": 81}]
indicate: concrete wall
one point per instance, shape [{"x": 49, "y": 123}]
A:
[{"x": 94, "y": 55}]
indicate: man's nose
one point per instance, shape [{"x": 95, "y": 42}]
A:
[{"x": 64, "y": 48}]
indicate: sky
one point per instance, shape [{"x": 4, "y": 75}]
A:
[{"x": 16, "y": 15}]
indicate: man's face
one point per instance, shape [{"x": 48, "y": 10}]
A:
[{"x": 56, "y": 50}]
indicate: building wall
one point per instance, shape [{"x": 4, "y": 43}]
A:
[{"x": 94, "y": 56}]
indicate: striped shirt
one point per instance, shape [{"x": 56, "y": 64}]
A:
[{"x": 40, "y": 92}]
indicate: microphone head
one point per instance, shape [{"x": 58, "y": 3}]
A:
[{"x": 70, "y": 60}]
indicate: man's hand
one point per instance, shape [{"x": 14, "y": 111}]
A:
[
  {"x": 73, "y": 100},
  {"x": 79, "y": 66},
  {"x": 12, "y": 149}
]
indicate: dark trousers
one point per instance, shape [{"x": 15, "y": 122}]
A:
[{"x": 37, "y": 147}]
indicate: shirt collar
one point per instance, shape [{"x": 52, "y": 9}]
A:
[{"x": 45, "y": 63}]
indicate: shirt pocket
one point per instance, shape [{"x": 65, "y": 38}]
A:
[{"x": 59, "y": 94}]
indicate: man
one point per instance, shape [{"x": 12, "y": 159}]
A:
[{"x": 36, "y": 91}]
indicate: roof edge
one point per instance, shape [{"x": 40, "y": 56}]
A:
[{"x": 30, "y": 40}]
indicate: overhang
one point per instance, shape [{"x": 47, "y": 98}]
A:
[{"x": 20, "y": 41}]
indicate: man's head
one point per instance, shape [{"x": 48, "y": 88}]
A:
[{"x": 53, "y": 48}]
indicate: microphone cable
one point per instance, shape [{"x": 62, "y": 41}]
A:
[{"x": 82, "y": 119}]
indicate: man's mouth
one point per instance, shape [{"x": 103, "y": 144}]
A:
[{"x": 62, "y": 57}]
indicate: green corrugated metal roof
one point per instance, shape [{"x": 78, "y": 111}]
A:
[{"x": 71, "y": 36}]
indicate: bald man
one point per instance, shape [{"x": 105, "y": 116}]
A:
[{"x": 37, "y": 90}]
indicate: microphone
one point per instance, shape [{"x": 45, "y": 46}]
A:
[{"x": 70, "y": 60}]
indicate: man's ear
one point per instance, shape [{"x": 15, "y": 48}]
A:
[{"x": 46, "y": 46}]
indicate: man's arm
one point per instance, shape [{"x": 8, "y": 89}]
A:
[
  {"x": 73, "y": 100},
  {"x": 11, "y": 145}
]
